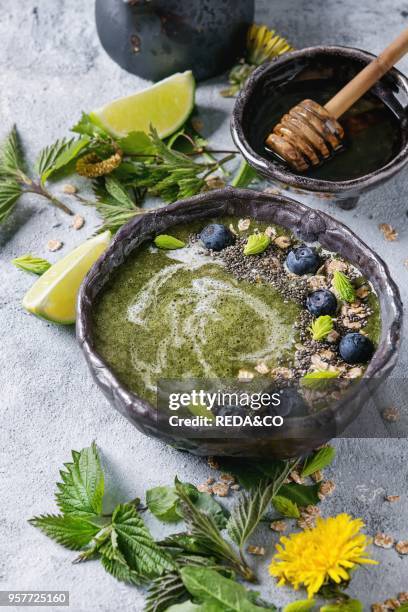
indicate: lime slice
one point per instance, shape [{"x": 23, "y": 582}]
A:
[
  {"x": 53, "y": 296},
  {"x": 165, "y": 105}
]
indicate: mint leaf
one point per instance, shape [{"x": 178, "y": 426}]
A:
[
  {"x": 135, "y": 542},
  {"x": 321, "y": 459},
  {"x": 302, "y": 495},
  {"x": 82, "y": 487},
  {"x": 163, "y": 503},
  {"x": 136, "y": 143},
  {"x": 285, "y": 507},
  {"x": 71, "y": 531},
  {"x": 221, "y": 593},
  {"x": 31, "y": 263}
]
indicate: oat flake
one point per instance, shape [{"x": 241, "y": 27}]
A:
[{"x": 54, "y": 245}]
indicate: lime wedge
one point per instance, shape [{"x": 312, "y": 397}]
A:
[
  {"x": 53, "y": 296},
  {"x": 165, "y": 105}
]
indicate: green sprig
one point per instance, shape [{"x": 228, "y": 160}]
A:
[
  {"x": 343, "y": 287},
  {"x": 321, "y": 327},
  {"x": 31, "y": 263}
]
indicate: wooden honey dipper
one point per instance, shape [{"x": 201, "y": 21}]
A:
[{"x": 310, "y": 133}]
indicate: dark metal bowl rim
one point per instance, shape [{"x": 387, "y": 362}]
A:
[
  {"x": 267, "y": 168},
  {"x": 378, "y": 367}
]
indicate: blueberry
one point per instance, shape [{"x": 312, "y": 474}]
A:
[
  {"x": 356, "y": 348},
  {"x": 321, "y": 302},
  {"x": 303, "y": 260},
  {"x": 216, "y": 237}
]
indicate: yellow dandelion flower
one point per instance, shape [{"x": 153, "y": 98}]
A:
[{"x": 315, "y": 556}]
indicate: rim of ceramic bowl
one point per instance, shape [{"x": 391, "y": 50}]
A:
[
  {"x": 272, "y": 171},
  {"x": 297, "y": 217}
]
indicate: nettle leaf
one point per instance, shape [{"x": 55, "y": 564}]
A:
[
  {"x": 165, "y": 591},
  {"x": 248, "y": 512},
  {"x": 285, "y": 507},
  {"x": 209, "y": 587},
  {"x": 302, "y": 495},
  {"x": 303, "y": 605},
  {"x": 163, "y": 503},
  {"x": 257, "y": 243},
  {"x": 12, "y": 163},
  {"x": 82, "y": 487},
  {"x": 343, "y": 287},
  {"x": 59, "y": 154},
  {"x": 31, "y": 263},
  {"x": 121, "y": 571},
  {"x": 10, "y": 191},
  {"x": 135, "y": 542},
  {"x": 321, "y": 327},
  {"x": 71, "y": 531},
  {"x": 118, "y": 192},
  {"x": 136, "y": 143},
  {"x": 204, "y": 502},
  {"x": 318, "y": 380},
  {"x": 187, "y": 606},
  {"x": 87, "y": 127},
  {"x": 321, "y": 459}
]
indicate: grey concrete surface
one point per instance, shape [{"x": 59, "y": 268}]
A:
[{"x": 52, "y": 67}]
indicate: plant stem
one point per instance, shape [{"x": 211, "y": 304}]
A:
[{"x": 40, "y": 190}]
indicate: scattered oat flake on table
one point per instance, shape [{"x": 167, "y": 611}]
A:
[
  {"x": 204, "y": 488},
  {"x": 402, "y": 547},
  {"x": 403, "y": 597},
  {"x": 392, "y": 603},
  {"x": 296, "y": 477},
  {"x": 210, "y": 480},
  {"x": 383, "y": 541},
  {"x": 392, "y": 498},
  {"x": 54, "y": 245},
  {"x": 326, "y": 488},
  {"x": 70, "y": 189},
  {"x": 245, "y": 375},
  {"x": 317, "y": 476},
  {"x": 256, "y": 550},
  {"x": 235, "y": 487},
  {"x": 378, "y": 607},
  {"x": 228, "y": 478},
  {"x": 308, "y": 517},
  {"x": 78, "y": 222},
  {"x": 389, "y": 232},
  {"x": 243, "y": 224},
  {"x": 278, "y": 526},
  {"x": 221, "y": 489},
  {"x": 391, "y": 414},
  {"x": 262, "y": 368}
]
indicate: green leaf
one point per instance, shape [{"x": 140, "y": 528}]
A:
[
  {"x": 245, "y": 176},
  {"x": 118, "y": 192},
  {"x": 12, "y": 163},
  {"x": 351, "y": 605},
  {"x": 321, "y": 459},
  {"x": 209, "y": 587},
  {"x": 10, "y": 191},
  {"x": 163, "y": 503},
  {"x": 136, "y": 143},
  {"x": 321, "y": 327},
  {"x": 71, "y": 531},
  {"x": 31, "y": 263},
  {"x": 205, "y": 531},
  {"x": 302, "y": 495},
  {"x": 82, "y": 487},
  {"x": 168, "y": 242},
  {"x": 285, "y": 507},
  {"x": 59, "y": 154},
  {"x": 318, "y": 380},
  {"x": 134, "y": 540},
  {"x": 248, "y": 512},
  {"x": 164, "y": 592},
  {"x": 204, "y": 502},
  {"x": 343, "y": 287},
  {"x": 257, "y": 243},
  {"x": 303, "y": 605},
  {"x": 121, "y": 571},
  {"x": 87, "y": 127}
]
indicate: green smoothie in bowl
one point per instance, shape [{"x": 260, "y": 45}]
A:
[{"x": 231, "y": 298}]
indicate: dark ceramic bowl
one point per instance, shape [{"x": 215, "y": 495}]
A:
[
  {"x": 340, "y": 64},
  {"x": 308, "y": 225},
  {"x": 155, "y": 38}
]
